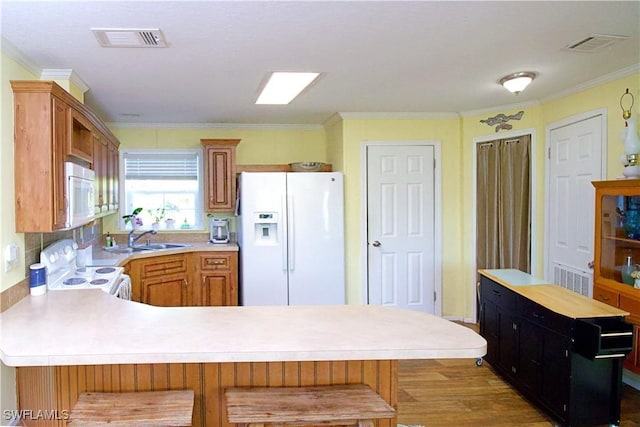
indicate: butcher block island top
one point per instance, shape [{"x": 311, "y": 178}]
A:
[
  {"x": 89, "y": 327},
  {"x": 553, "y": 297}
]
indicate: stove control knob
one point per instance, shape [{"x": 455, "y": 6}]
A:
[
  {"x": 75, "y": 246},
  {"x": 67, "y": 250},
  {"x": 52, "y": 258}
]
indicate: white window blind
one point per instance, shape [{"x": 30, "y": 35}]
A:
[{"x": 166, "y": 166}]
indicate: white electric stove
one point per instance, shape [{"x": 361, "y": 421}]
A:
[{"x": 64, "y": 274}]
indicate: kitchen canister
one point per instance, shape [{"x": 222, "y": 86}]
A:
[{"x": 37, "y": 279}]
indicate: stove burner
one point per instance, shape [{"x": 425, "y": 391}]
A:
[
  {"x": 82, "y": 271},
  {"x": 105, "y": 270},
  {"x": 74, "y": 281},
  {"x": 99, "y": 282}
]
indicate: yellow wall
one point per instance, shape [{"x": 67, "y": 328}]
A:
[
  {"x": 447, "y": 132},
  {"x": 271, "y": 145},
  {"x": 605, "y": 96},
  {"x": 10, "y": 71}
]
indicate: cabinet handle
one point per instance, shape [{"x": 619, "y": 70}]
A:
[
  {"x": 604, "y": 297},
  {"x": 215, "y": 261},
  {"x": 496, "y": 293},
  {"x": 185, "y": 282},
  {"x": 591, "y": 265},
  {"x": 538, "y": 316}
]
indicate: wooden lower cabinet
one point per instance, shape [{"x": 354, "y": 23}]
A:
[
  {"x": 161, "y": 281},
  {"x": 168, "y": 291},
  {"x": 536, "y": 350},
  {"x": 218, "y": 284},
  {"x": 55, "y": 389},
  {"x": 190, "y": 279}
]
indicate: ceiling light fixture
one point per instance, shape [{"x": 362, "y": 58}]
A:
[
  {"x": 516, "y": 82},
  {"x": 283, "y": 87}
]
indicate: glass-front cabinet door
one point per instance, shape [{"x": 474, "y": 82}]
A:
[{"x": 617, "y": 252}]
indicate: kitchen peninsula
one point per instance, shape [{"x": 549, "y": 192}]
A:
[{"x": 64, "y": 343}]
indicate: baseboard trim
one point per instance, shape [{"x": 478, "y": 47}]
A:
[{"x": 631, "y": 379}]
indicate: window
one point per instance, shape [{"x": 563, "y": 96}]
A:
[{"x": 166, "y": 184}]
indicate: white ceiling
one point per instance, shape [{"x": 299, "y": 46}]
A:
[{"x": 418, "y": 57}]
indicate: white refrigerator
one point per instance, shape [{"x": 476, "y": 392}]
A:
[{"x": 291, "y": 238}]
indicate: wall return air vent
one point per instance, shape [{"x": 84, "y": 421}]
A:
[
  {"x": 593, "y": 43},
  {"x": 129, "y": 37}
]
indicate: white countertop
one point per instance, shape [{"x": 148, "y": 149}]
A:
[{"x": 91, "y": 327}]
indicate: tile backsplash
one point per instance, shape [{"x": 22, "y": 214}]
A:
[{"x": 36, "y": 242}]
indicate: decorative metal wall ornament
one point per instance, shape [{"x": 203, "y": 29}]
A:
[{"x": 501, "y": 120}]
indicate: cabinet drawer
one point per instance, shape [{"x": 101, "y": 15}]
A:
[
  {"x": 497, "y": 293},
  {"x": 164, "y": 265},
  {"x": 215, "y": 262},
  {"x": 631, "y": 305},
  {"x": 606, "y": 296},
  {"x": 603, "y": 338},
  {"x": 539, "y": 315}
]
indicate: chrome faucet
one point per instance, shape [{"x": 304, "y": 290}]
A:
[{"x": 133, "y": 239}]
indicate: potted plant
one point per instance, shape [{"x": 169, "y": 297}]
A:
[
  {"x": 157, "y": 215},
  {"x": 133, "y": 218}
]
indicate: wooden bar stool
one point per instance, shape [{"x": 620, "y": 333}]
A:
[
  {"x": 171, "y": 408},
  {"x": 351, "y": 404}
]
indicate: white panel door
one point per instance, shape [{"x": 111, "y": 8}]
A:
[
  {"x": 315, "y": 212},
  {"x": 401, "y": 222},
  {"x": 574, "y": 161}
]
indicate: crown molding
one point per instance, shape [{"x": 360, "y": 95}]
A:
[
  {"x": 64, "y": 74},
  {"x": 499, "y": 108},
  {"x": 12, "y": 52},
  {"x": 607, "y": 78},
  {"x": 224, "y": 126},
  {"x": 398, "y": 116}
]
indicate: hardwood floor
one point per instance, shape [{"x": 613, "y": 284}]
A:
[{"x": 456, "y": 392}]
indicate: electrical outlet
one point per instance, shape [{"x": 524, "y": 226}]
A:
[{"x": 10, "y": 257}]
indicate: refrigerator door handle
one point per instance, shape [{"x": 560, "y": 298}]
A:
[
  {"x": 291, "y": 234},
  {"x": 284, "y": 234}
]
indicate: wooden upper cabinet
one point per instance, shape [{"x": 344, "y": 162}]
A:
[
  {"x": 220, "y": 174},
  {"x": 51, "y": 127}
]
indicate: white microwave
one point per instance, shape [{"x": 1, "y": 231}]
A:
[{"x": 80, "y": 195}]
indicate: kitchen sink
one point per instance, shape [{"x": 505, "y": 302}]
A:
[
  {"x": 158, "y": 246},
  {"x": 152, "y": 247}
]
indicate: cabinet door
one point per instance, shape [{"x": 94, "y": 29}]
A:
[
  {"x": 100, "y": 168},
  {"x": 489, "y": 330},
  {"x": 113, "y": 177},
  {"x": 60, "y": 135},
  {"x": 220, "y": 171},
  {"x": 507, "y": 343},
  {"x": 530, "y": 357},
  {"x": 169, "y": 291},
  {"x": 556, "y": 372},
  {"x": 218, "y": 289}
]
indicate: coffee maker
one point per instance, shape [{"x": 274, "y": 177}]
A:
[{"x": 219, "y": 230}]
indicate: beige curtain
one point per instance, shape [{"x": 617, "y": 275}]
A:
[{"x": 503, "y": 201}]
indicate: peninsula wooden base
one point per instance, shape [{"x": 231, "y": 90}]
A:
[{"x": 47, "y": 394}]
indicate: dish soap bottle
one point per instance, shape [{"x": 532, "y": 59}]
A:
[{"x": 107, "y": 241}]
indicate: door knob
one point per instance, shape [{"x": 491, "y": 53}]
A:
[{"x": 376, "y": 244}]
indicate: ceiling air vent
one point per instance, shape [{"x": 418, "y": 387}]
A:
[
  {"x": 129, "y": 37},
  {"x": 593, "y": 43}
]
